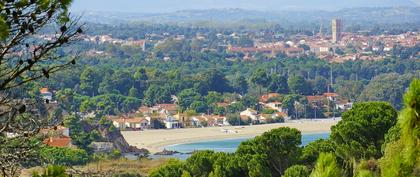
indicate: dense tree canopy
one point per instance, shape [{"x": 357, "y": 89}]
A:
[
  {"x": 362, "y": 130},
  {"x": 279, "y": 149}
]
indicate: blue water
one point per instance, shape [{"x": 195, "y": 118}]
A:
[{"x": 227, "y": 145}]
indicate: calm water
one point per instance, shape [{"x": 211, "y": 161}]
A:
[{"x": 228, "y": 145}]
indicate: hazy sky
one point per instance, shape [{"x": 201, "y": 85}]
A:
[{"x": 270, "y": 5}]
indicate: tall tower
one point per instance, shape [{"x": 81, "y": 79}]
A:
[{"x": 336, "y": 25}]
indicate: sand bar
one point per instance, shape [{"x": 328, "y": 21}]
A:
[{"x": 156, "y": 140}]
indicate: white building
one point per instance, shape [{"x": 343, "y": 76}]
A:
[
  {"x": 171, "y": 123},
  {"x": 131, "y": 123},
  {"x": 250, "y": 113}
]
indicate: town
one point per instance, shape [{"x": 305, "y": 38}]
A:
[{"x": 339, "y": 46}]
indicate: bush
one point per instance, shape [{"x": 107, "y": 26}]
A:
[
  {"x": 297, "y": 171},
  {"x": 52, "y": 171},
  {"x": 64, "y": 156}
]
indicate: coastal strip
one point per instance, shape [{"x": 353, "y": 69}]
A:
[{"x": 156, "y": 140}]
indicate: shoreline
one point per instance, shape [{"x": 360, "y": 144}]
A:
[{"x": 157, "y": 140}]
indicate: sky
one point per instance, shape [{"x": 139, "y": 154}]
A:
[{"x": 160, "y": 6}]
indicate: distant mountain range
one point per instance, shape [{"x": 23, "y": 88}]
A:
[
  {"x": 160, "y": 6},
  {"x": 393, "y": 15}
]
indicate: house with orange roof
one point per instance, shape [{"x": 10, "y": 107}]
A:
[
  {"x": 331, "y": 96},
  {"x": 266, "y": 97},
  {"x": 61, "y": 142},
  {"x": 46, "y": 94},
  {"x": 167, "y": 109},
  {"x": 252, "y": 114}
]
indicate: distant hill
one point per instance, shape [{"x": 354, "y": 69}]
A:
[
  {"x": 395, "y": 15},
  {"x": 159, "y": 6}
]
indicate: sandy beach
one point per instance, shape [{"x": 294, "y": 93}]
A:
[{"x": 156, "y": 140}]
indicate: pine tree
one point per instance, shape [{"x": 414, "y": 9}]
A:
[{"x": 402, "y": 157}]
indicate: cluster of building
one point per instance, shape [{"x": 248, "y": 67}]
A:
[
  {"x": 338, "y": 47},
  {"x": 59, "y": 136},
  {"x": 167, "y": 115}
]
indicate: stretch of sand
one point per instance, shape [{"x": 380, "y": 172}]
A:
[{"x": 156, "y": 140}]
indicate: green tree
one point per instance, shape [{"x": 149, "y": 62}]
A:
[
  {"x": 133, "y": 92},
  {"x": 156, "y": 95},
  {"x": 279, "y": 147},
  {"x": 52, "y": 171},
  {"x": 326, "y": 166},
  {"x": 278, "y": 84},
  {"x": 260, "y": 78},
  {"x": 386, "y": 87},
  {"x": 64, "y": 156},
  {"x": 187, "y": 97},
  {"x": 320, "y": 85},
  {"x": 298, "y": 85},
  {"x": 200, "y": 163},
  {"x": 213, "y": 97},
  {"x": 402, "y": 157},
  {"x": 361, "y": 132},
  {"x": 199, "y": 106},
  {"x": 349, "y": 89},
  {"x": 122, "y": 81},
  {"x": 241, "y": 85},
  {"x": 297, "y": 171},
  {"x": 311, "y": 151},
  {"x": 214, "y": 80},
  {"x": 89, "y": 81},
  {"x": 173, "y": 168}
]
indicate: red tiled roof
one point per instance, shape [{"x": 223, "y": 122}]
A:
[
  {"x": 169, "y": 107},
  {"x": 281, "y": 114},
  {"x": 266, "y": 97},
  {"x": 330, "y": 94},
  {"x": 43, "y": 90},
  {"x": 244, "y": 117},
  {"x": 63, "y": 141},
  {"x": 315, "y": 98},
  {"x": 144, "y": 109}
]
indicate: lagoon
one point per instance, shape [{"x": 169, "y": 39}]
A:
[{"x": 226, "y": 145}]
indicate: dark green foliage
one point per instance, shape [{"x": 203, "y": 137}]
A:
[
  {"x": 81, "y": 137},
  {"x": 64, "y": 156},
  {"x": 361, "y": 133},
  {"x": 241, "y": 85},
  {"x": 110, "y": 104},
  {"x": 187, "y": 97},
  {"x": 320, "y": 85},
  {"x": 278, "y": 149},
  {"x": 402, "y": 157},
  {"x": 387, "y": 87},
  {"x": 278, "y": 84},
  {"x": 298, "y": 85},
  {"x": 214, "y": 80},
  {"x": 312, "y": 150},
  {"x": 199, "y": 107},
  {"x": 156, "y": 95},
  {"x": 260, "y": 78},
  {"x": 174, "y": 168},
  {"x": 200, "y": 164},
  {"x": 297, "y": 171},
  {"x": 89, "y": 81}
]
